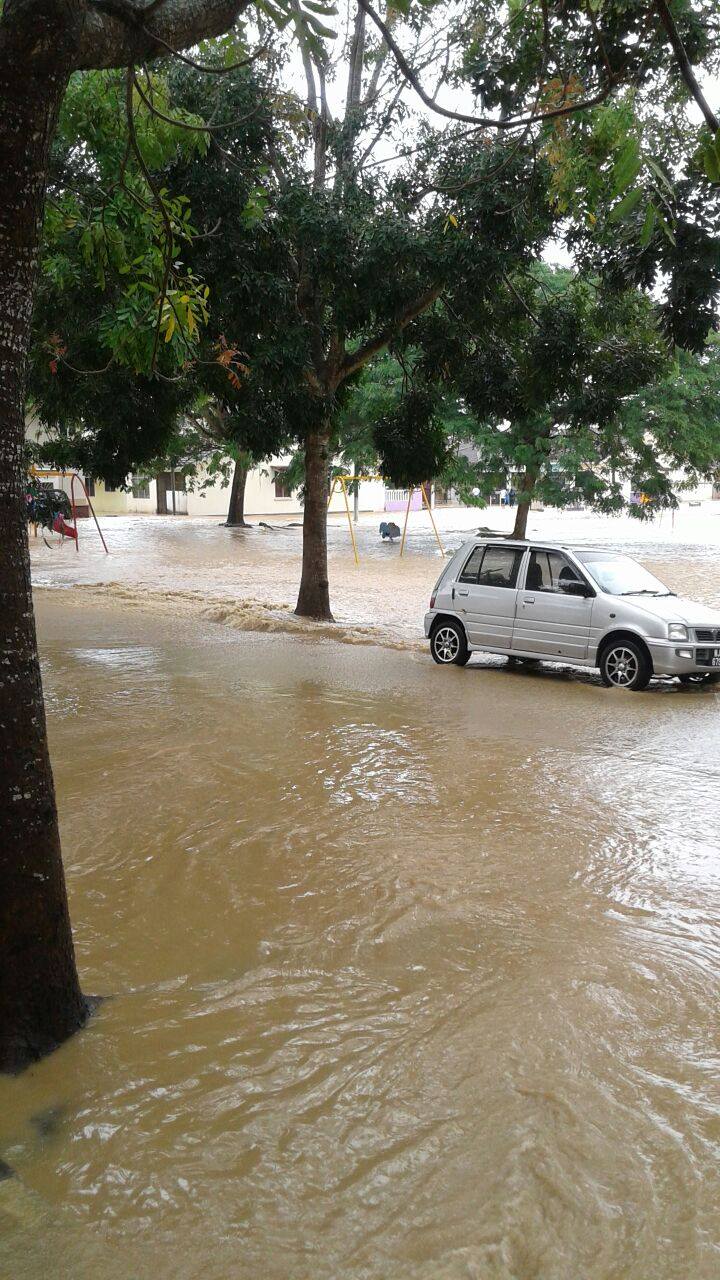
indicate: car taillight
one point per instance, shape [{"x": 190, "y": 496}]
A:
[{"x": 432, "y": 600}]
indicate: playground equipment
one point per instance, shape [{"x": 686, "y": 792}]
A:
[
  {"x": 344, "y": 480},
  {"x": 58, "y": 524}
]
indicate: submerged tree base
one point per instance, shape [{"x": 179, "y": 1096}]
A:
[
  {"x": 316, "y": 611},
  {"x": 19, "y": 1052}
]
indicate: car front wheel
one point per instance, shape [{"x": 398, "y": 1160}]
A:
[
  {"x": 448, "y": 645},
  {"x": 625, "y": 665}
]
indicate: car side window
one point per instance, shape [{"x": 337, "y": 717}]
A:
[
  {"x": 547, "y": 571},
  {"x": 538, "y": 577},
  {"x": 561, "y": 571},
  {"x": 472, "y": 566},
  {"x": 500, "y": 567}
]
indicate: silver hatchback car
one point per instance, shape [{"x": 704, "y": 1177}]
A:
[{"x": 580, "y": 606}]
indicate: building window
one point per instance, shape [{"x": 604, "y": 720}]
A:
[
  {"x": 282, "y": 488},
  {"x": 89, "y": 485},
  {"x": 140, "y": 487},
  {"x": 109, "y": 488}
]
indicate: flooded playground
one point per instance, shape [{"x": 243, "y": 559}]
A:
[{"x": 413, "y": 971}]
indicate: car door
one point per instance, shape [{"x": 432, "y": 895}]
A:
[
  {"x": 551, "y": 621},
  {"x": 486, "y": 595}
]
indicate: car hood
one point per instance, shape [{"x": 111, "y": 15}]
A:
[{"x": 677, "y": 609}]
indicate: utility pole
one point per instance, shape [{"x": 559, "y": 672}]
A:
[{"x": 356, "y": 496}]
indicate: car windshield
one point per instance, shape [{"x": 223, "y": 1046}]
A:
[{"x": 620, "y": 575}]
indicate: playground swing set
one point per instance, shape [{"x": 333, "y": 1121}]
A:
[
  {"x": 344, "y": 480},
  {"x": 52, "y": 513},
  {"x": 55, "y": 519}
]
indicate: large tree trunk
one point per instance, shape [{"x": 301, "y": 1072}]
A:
[
  {"x": 314, "y": 596},
  {"x": 40, "y": 999},
  {"x": 236, "y": 508},
  {"x": 525, "y": 497},
  {"x": 161, "y": 508}
]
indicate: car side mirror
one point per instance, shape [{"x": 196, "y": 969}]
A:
[{"x": 572, "y": 587}]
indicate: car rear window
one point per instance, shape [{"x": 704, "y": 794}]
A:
[
  {"x": 472, "y": 565},
  {"x": 500, "y": 567}
]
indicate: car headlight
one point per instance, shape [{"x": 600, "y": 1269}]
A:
[{"x": 677, "y": 631}]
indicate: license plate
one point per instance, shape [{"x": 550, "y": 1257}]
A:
[{"x": 716, "y": 659}]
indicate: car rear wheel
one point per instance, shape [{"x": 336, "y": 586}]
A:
[
  {"x": 625, "y": 665},
  {"x": 448, "y": 644}
]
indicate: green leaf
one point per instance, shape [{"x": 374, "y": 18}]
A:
[
  {"x": 659, "y": 174},
  {"x": 315, "y": 6},
  {"x": 626, "y": 167},
  {"x": 711, "y": 163},
  {"x": 648, "y": 226},
  {"x": 667, "y": 229},
  {"x": 319, "y": 27},
  {"x": 626, "y": 205}
]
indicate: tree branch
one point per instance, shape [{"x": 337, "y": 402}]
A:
[
  {"x": 357, "y": 359},
  {"x": 312, "y": 99},
  {"x": 116, "y": 33},
  {"x": 684, "y": 64},
  {"x": 183, "y": 124},
  {"x": 203, "y": 66},
  {"x": 486, "y": 122}
]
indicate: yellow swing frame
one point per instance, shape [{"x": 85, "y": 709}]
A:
[{"x": 343, "y": 481}]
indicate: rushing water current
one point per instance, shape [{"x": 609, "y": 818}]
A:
[{"x": 414, "y": 971}]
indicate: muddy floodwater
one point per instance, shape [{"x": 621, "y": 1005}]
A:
[{"x": 414, "y": 971}]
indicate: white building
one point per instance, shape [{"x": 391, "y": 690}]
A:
[{"x": 267, "y": 494}]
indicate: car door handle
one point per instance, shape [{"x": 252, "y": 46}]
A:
[
  {"x": 463, "y": 591},
  {"x": 528, "y": 599}
]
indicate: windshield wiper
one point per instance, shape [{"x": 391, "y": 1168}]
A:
[{"x": 645, "y": 592}]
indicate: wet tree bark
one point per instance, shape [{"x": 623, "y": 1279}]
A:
[
  {"x": 161, "y": 495},
  {"x": 522, "y": 510},
  {"x": 236, "y": 507},
  {"x": 314, "y": 596},
  {"x": 41, "y": 43},
  {"x": 41, "y": 1003}
]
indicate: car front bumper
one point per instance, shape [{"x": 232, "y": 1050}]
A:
[{"x": 677, "y": 659}]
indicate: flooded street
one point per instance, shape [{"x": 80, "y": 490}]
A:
[
  {"x": 413, "y": 971},
  {"x": 249, "y": 577}
]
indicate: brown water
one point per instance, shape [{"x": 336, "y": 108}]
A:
[{"x": 415, "y": 971}]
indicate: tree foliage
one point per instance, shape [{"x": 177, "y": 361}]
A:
[{"x": 544, "y": 375}]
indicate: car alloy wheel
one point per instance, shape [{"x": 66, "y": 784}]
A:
[
  {"x": 622, "y": 667},
  {"x": 625, "y": 665},
  {"x": 446, "y": 643}
]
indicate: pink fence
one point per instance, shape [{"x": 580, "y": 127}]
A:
[{"x": 396, "y": 500}]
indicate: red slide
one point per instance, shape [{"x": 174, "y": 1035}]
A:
[{"x": 59, "y": 526}]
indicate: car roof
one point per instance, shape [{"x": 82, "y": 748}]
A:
[{"x": 525, "y": 544}]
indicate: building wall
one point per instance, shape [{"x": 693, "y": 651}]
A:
[
  {"x": 260, "y": 497},
  {"x": 109, "y": 502}
]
